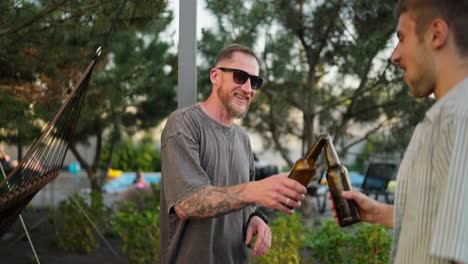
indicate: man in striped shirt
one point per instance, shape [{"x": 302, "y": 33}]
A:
[{"x": 430, "y": 216}]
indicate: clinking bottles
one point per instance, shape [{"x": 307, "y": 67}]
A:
[
  {"x": 337, "y": 178},
  {"x": 338, "y": 181}
]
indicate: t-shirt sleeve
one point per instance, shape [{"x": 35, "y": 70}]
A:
[
  {"x": 182, "y": 174},
  {"x": 450, "y": 237}
]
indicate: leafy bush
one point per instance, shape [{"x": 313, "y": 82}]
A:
[
  {"x": 288, "y": 237},
  {"x": 129, "y": 156},
  {"x": 328, "y": 244},
  {"x": 74, "y": 232},
  {"x": 363, "y": 243},
  {"x": 294, "y": 242},
  {"x": 137, "y": 223}
]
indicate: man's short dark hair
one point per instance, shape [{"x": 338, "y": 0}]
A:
[
  {"x": 454, "y": 12},
  {"x": 229, "y": 50}
]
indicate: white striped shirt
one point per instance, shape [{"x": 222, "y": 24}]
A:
[{"x": 431, "y": 202}]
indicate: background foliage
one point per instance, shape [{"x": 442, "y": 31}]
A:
[
  {"x": 327, "y": 67},
  {"x": 295, "y": 242},
  {"x": 73, "y": 230},
  {"x": 137, "y": 224},
  {"x": 138, "y": 156},
  {"x": 44, "y": 47}
]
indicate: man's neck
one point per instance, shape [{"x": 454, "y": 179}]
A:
[
  {"x": 446, "y": 84},
  {"x": 216, "y": 111},
  {"x": 450, "y": 72}
]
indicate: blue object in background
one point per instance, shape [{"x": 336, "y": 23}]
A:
[
  {"x": 74, "y": 167},
  {"x": 126, "y": 180},
  {"x": 356, "y": 179}
]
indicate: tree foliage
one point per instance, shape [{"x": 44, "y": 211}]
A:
[
  {"x": 327, "y": 68},
  {"x": 45, "y": 46}
]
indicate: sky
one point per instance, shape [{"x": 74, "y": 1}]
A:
[{"x": 204, "y": 17}]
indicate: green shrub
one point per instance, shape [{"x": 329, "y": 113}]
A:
[
  {"x": 374, "y": 243},
  {"x": 294, "y": 242},
  {"x": 130, "y": 156},
  {"x": 288, "y": 237},
  {"x": 361, "y": 243},
  {"x": 137, "y": 224},
  {"x": 74, "y": 232}
]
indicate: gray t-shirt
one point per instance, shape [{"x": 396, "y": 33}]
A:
[{"x": 197, "y": 152}]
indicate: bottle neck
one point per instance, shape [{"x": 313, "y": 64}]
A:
[
  {"x": 316, "y": 149},
  {"x": 330, "y": 153}
]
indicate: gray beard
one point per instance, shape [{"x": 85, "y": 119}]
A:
[
  {"x": 233, "y": 112},
  {"x": 226, "y": 103}
]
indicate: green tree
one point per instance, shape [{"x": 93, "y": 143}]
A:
[
  {"x": 24, "y": 100},
  {"x": 136, "y": 93},
  {"x": 45, "y": 45},
  {"x": 17, "y": 121},
  {"x": 326, "y": 65}
]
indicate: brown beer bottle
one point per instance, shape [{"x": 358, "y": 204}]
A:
[
  {"x": 304, "y": 169},
  {"x": 338, "y": 181}
]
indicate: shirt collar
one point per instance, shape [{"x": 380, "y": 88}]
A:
[{"x": 450, "y": 96}]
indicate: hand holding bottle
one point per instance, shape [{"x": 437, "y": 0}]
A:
[
  {"x": 276, "y": 192},
  {"x": 370, "y": 210}
]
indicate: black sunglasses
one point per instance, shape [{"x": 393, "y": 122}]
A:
[{"x": 240, "y": 77}]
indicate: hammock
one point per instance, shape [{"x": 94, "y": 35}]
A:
[{"x": 42, "y": 162}]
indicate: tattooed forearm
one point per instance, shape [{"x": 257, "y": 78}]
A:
[{"x": 211, "y": 202}]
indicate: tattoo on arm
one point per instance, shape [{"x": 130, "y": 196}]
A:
[{"x": 213, "y": 201}]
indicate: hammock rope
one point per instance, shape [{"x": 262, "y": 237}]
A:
[{"x": 44, "y": 159}]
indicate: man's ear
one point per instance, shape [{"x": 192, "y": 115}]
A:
[
  {"x": 439, "y": 31},
  {"x": 214, "y": 77}
]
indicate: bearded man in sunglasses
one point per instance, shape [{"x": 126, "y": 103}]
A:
[{"x": 208, "y": 192}]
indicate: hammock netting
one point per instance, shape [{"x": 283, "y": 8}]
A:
[{"x": 44, "y": 159}]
